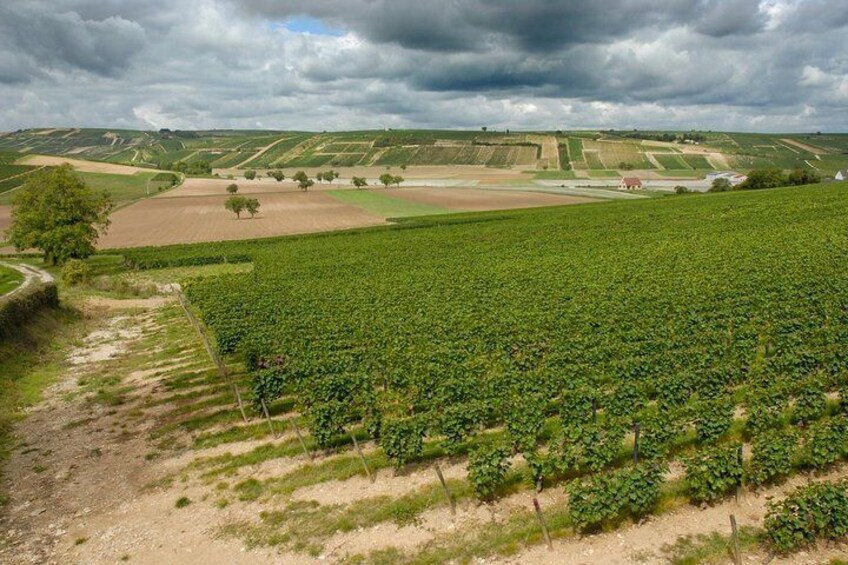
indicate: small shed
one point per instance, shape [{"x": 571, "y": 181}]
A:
[{"x": 630, "y": 183}]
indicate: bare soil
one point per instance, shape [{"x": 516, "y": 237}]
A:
[
  {"x": 163, "y": 221},
  {"x": 81, "y": 165}
]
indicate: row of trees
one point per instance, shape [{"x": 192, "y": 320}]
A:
[{"x": 768, "y": 178}]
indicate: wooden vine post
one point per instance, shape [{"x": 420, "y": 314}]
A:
[
  {"x": 371, "y": 477},
  {"x": 636, "y": 430},
  {"x": 543, "y": 524},
  {"x": 734, "y": 534},
  {"x": 300, "y": 439},
  {"x": 446, "y": 490},
  {"x": 267, "y": 417},
  {"x": 739, "y": 460}
]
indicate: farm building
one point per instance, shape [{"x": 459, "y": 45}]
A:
[
  {"x": 630, "y": 183},
  {"x": 734, "y": 178},
  {"x": 841, "y": 175}
]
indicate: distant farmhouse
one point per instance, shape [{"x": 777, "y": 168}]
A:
[
  {"x": 841, "y": 175},
  {"x": 630, "y": 183},
  {"x": 734, "y": 178}
]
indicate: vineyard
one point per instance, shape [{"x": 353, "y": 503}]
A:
[
  {"x": 595, "y": 151},
  {"x": 703, "y": 334}
]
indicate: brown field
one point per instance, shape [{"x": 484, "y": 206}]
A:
[
  {"x": 456, "y": 172},
  {"x": 5, "y": 220},
  {"x": 479, "y": 200},
  {"x": 164, "y": 221},
  {"x": 81, "y": 165}
]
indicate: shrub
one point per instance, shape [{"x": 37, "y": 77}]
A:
[
  {"x": 713, "y": 420},
  {"x": 809, "y": 513},
  {"x": 826, "y": 443},
  {"x": 810, "y": 402},
  {"x": 772, "y": 454},
  {"x": 713, "y": 472},
  {"x": 487, "y": 469},
  {"x": 250, "y": 174},
  {"x": 75, "y": 272},
  {"x": 601, "y": 498},
  {"x": 402, "y": 440}
]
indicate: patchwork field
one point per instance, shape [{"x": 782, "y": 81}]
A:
[
  {"x": 194, "y": 212},
  {"x": 235, "y": 150}
]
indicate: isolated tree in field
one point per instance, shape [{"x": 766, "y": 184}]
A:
[
  {"x": 397, "y": 180},
  {"x": 252, "y": 206},
  {"x": 250, "y": 174},
  {"x": 303, "y": 180},
  {"x": 278, "y": 176},
  {"x": 236, "y": 205},
  {"x": 721, "y": 185},
  {"x": 359, "y": 182},
  {"x": 403, "y": 167},
  {"x": 58, "y": 214},
  {"x": 232, "y": 188}
]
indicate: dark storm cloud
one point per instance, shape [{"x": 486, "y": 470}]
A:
[
  {"x": 731, "y": 64},
  {"x": 66, "y": 40}
]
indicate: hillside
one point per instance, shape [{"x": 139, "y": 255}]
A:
[{"x": 588, "y": 154}]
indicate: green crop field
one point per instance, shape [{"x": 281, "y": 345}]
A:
[
  {"x": 552, "y": 333},
  {"x": 381, "y": 203}
]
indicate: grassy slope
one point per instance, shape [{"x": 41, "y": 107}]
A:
[
  {"x": 383, "y": 204},
  {"x": 9, "y": 279}
]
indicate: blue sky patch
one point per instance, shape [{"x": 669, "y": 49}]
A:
[{"x": 305, "y": 24}]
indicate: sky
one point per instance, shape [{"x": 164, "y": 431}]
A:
[{"x": 731, "y": 65}]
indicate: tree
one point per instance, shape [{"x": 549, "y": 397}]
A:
[
  {"x": 359, "y": 182},
  {"x": 397, "y": 180},
  {"x": 721, "y": 184},
  {"x": 485, "y": 129},
  {"x": 764, "y": 178},
  {"x": 233, "y": 188},
  {"x": 278, "y": 175},
  {"x": 58, "y": 214},
  {"x": 387, "y": 179},
  {"x": 303, "y": 181},
  {"x": 800, "y": 177},
  {"x": 680, "y": 189},
  {"x": 236, "y": 205},
  {"x": 250, "y": 174},
  {"x": 403, "y": 167},
  {"x": 252, "y": 206}
]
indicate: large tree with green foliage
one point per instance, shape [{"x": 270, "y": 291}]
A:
[{"x": 58, "y": 214}]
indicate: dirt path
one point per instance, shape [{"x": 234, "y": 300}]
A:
[
  {"x": 31, "y": 276},
  {"x": 79, "y": 473}
]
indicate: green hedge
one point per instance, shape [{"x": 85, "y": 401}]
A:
[{"x": 20, "y": 307}]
